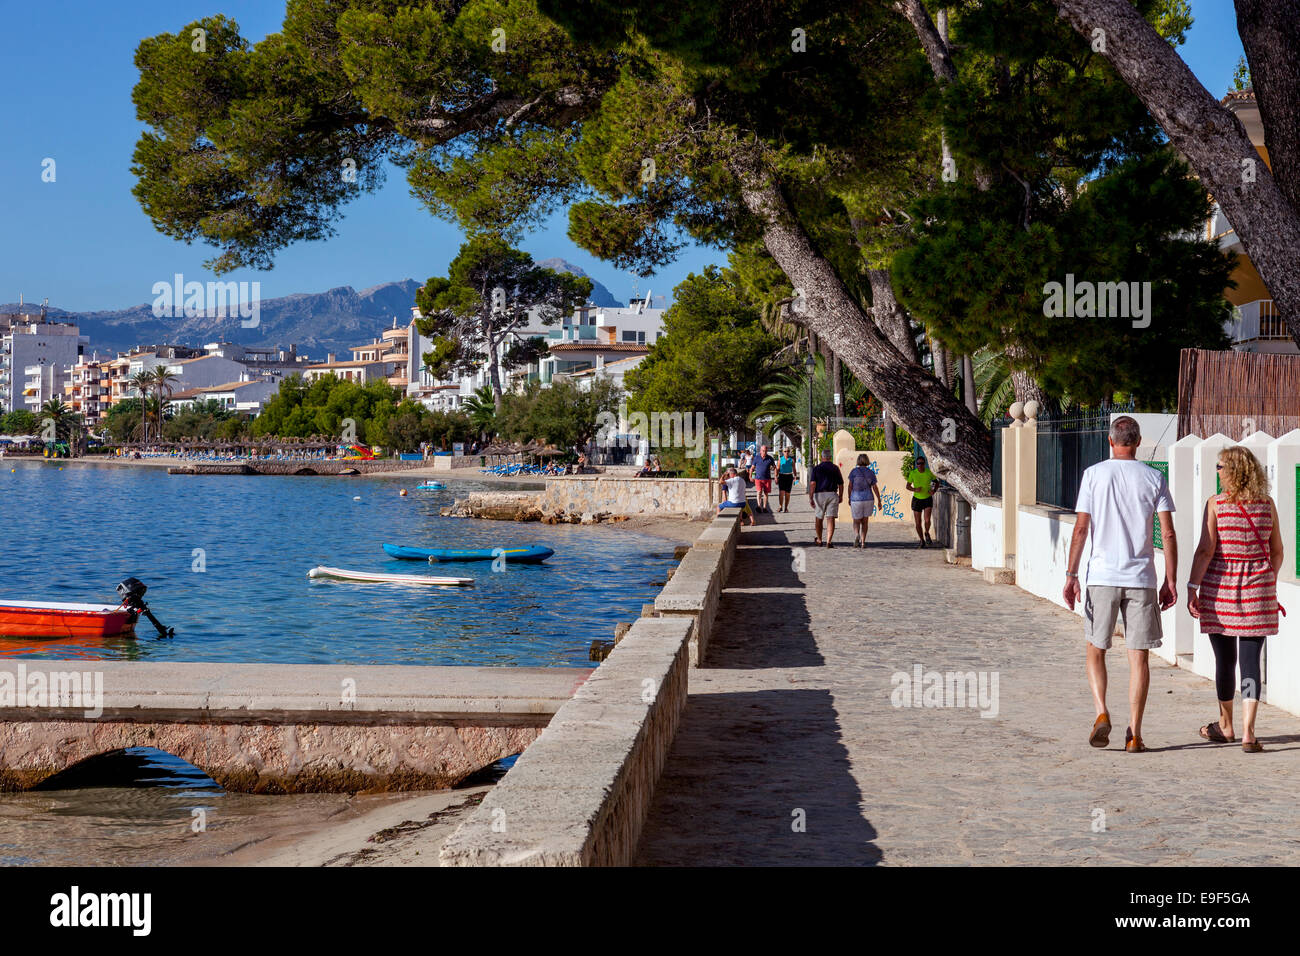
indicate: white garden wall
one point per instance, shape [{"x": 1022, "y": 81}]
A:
[{"x": 1041, "y": 539}]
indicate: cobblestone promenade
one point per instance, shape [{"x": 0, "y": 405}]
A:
[{"x": 791, "y": 751}]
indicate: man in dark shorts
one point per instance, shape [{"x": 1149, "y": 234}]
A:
[
  {"x": 825, "y": 494},
  {"x": 764, "y": 466},
  {"x": 786, "y": 476}
]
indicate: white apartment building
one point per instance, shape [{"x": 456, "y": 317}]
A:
[
  {"x": 27, "y": 343},
  {"x": 592, "y": 341},
  {"x": 360, "y": 371},
  {"x": 204, "y": 371},
  {"x": 246, "y": 396},
  {"x": 41, "y": 383}
]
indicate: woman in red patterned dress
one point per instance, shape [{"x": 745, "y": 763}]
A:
[{"x": 1233, "y": 587}]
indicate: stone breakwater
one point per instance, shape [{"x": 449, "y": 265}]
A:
[
  {"x": 293, "y": 467},
  {"x": 509, "y": 506}
]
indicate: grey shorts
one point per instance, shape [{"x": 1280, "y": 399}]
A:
[
  {"x": 1139, "y": 608},
  {"x": 862, "y": 509},
  {"x": 826, "y": 504}
]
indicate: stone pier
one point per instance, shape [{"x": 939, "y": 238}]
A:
[{"x": 278, "y": 728}]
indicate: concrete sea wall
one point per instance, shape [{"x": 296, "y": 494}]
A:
[
  {"x": 576, "y": 494},
  {"x": 579, "y": 795}
]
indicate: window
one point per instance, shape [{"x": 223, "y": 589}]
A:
[{"x": 636, "y": 337}]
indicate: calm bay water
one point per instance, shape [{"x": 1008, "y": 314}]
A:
[{"x": 73, "y": 534}]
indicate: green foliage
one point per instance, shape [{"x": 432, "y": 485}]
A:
[
  {"x": 122, "y": 421},
  {"x": 481, "y": 410},
  {"x": 563, "y": 414},
  {"x": 1078, "y": 181},
  {"x": 785, "y": 398},
  {"x": 490, "y": 292},
  {"x": 202, "y": 420},
  {"x": 19, "y": 422},
  {"x": 714, "y": 355},
  {"x": 411, "y": 424},
  {"x": 1241, "y": 76},
  {"x": 299, "y": 410},
  {"x": 67, "y": 423}
]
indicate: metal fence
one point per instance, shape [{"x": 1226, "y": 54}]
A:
[
  {"x": 995, "y": 483},
  {"x": 1065, "y": 448}
]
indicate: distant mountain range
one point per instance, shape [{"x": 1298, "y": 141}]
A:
[{"x": 316, "y": 322}]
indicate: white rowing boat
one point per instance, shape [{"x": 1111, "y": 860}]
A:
[{"x": 378, "y": 578}]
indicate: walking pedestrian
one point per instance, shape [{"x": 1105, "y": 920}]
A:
[
  {"x": 920, "y": 482},
  {"x": 1232, "y": 588},
  {"x": 825, "y": 494},
  {"x": 787, "y": 474},
  {"x": 863, "y": 485},
  {"x": 1116, "y": 507},
  {"x": 764, "y": 465}
]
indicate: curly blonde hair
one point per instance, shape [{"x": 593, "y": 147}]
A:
[{"x": 1242, "y": 476}]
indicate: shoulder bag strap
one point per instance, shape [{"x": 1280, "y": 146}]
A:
[{"x": 1268, "y": 555}]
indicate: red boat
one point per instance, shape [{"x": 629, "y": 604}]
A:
[{"x": 57, "y": 619}]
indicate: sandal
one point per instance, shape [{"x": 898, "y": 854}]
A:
[
  {"x": 1254, "y": 747},
  {"x": 1133, "y": 745},
  {"x": 1214, "y": 733}
]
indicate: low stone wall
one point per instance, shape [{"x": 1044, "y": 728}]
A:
[
  {"x": 695, "y": 589},
  {"x": 579, "y": 795},
  {"x": 454, "y": 462},
  {"x": 576, "y": 494},
  {"x": 291, "y": 467}
]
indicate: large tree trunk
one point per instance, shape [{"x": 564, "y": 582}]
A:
[
  {"x": 494, "y": 371},
  {"x": 1027, "y": 388},
  {"x": 892, "y": 321},
  {"x": 916, "y": 399},
  {"x": 968, "y": 384},
  {"x": 889, "y": 315},
  {"x": 1208, "y": 135},
  {"x": 939, "y": 356},
  {"x": 1270, "y": 33}
]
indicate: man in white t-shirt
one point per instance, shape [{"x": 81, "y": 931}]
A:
[
  {"x": 1117, "y": 504},
  {"x": 733, "y": 486}
]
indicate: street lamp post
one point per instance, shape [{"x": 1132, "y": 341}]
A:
[{"x": 811, "y": 365}]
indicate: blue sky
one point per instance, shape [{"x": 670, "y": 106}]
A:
[{"x": 83, "y": 241}]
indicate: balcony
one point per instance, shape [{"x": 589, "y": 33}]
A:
[{"x": 1256, "y": 321}]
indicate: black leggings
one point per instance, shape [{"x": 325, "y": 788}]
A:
[{"x": 1225, "y": 666}]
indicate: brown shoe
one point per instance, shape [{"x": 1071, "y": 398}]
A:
[
  {"x": 1133, "y": 745},
  {"x": 1100, "y": 736},
  {"x": 1254, "y": 747}
]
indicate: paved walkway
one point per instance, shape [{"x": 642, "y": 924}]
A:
[{"x": 791, "y": 723}]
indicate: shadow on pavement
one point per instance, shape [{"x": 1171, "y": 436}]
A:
[{"x": 758, "y": 779}]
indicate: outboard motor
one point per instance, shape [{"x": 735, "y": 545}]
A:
[{"x": 132, "y": 592}]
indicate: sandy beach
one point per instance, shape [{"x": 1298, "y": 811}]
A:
[{"x": 392, "y": 829}]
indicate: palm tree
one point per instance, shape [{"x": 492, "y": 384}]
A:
[
  {"x": 142, "y": 384},
  {"x": 66, "y": 423},
  {"x": 784, "y": 404},
  {"x": 481, "y": 407},
  {"x": 163, "y": 381}
]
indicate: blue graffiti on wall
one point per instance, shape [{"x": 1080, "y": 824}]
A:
[{"x": 890, "y": 501}]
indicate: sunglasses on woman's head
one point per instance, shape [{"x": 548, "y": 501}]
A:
[{"x": 1218, "y": 468}]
